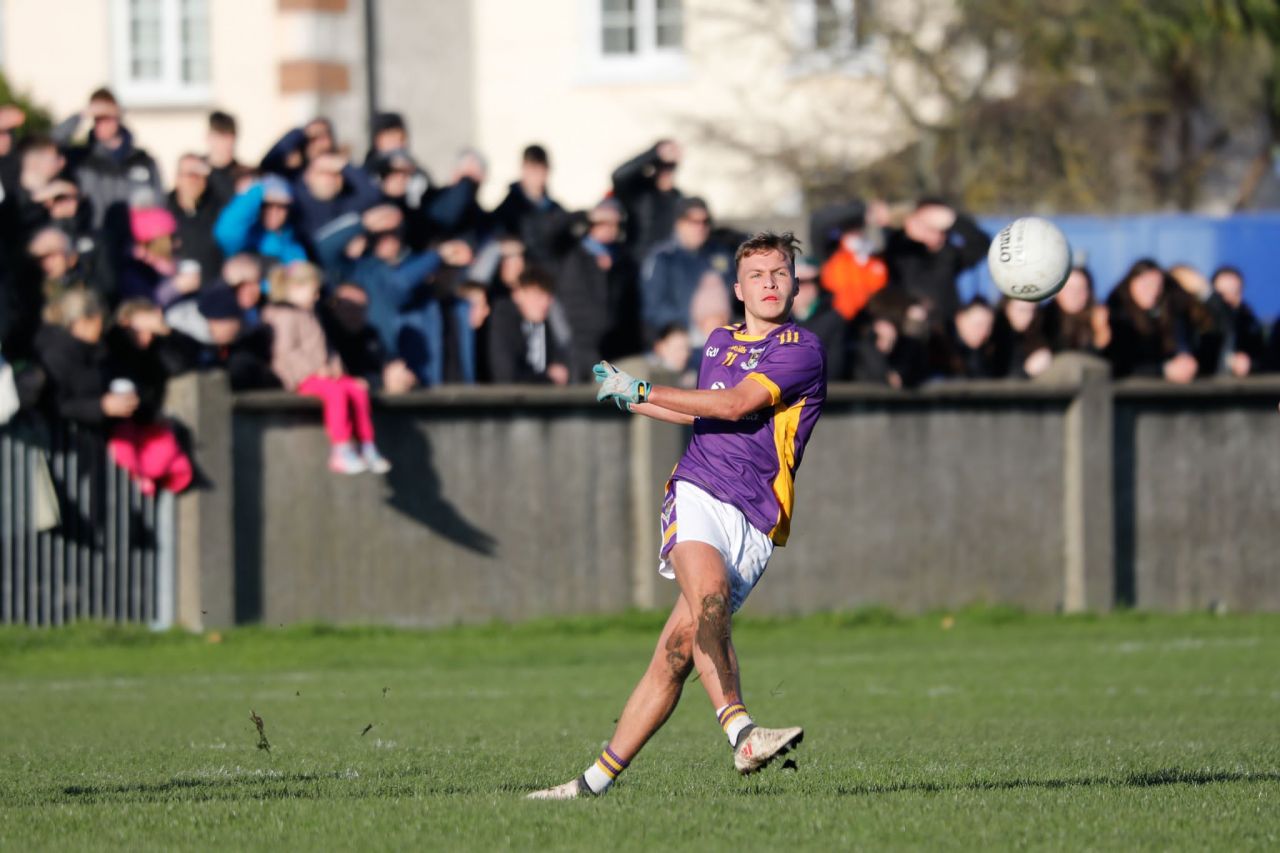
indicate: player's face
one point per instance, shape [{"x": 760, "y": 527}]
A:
[{"x": 765, "y": 286}]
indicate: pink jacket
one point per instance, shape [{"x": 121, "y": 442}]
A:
[{"x": 298, "y": 347}]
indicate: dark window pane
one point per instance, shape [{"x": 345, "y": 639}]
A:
[
  {"x": 619, "y": 40},
  {"x": 669, "y": 18}
]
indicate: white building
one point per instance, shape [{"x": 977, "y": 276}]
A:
[{"x": 750, "y": 87}]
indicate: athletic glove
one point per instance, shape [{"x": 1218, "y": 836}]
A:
[{"x": 624, "y": 389}]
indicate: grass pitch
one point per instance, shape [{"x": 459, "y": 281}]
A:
[{"x": 998, "y": 730}]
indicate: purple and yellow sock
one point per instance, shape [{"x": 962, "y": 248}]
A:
[
  {"x": 601, "y": 775},
  {"x": 734, "y": 719}
]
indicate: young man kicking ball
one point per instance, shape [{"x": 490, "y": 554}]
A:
[{"x": 760, "y": 392}]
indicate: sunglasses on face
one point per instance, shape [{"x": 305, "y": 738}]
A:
[
  {"x": 280, "y": 205},
  {"x": 64, "y": 197},
  {"x": 698, "y": 220},
  {"x": 100, "y": 119}
]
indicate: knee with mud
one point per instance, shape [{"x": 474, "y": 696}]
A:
[{"x": 679, "y": 655}]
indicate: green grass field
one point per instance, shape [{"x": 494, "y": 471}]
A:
[{"x": 1117, "y": 732}]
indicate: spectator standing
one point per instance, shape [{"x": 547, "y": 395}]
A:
[
  {"x": 301, "y": 359},
  {"x": 259, "y": 220},
  {"x": 224, "y": 168},
  {"x": 345, "y": 317},
  {"x": 1146, "y": 338},
  {"x": 853, "y": 274},
  {"x": 522, "y": 346},
  {"x": 812, "y": 310},
  {"x": 926, "y": 255},
  {"x": 216, "y": 336},
  {"x": 406, "y": 311},
  {"x": 596, "y": 284},
  {"x": 970, "y": 351},
  {"x": 387, "y": 134},
  {"x": 12, "y": 117},
  {"x": 195, "y": 206},
  {"x": 38, "y": 164},
  {"x": 59, "y": 273},
  {"x": 1073, "y": 321},
  {"x": 528, "y": 211},
  {"x": 883, "y": 355},
  {"x": 111, "y": 171},
  {"x": 1243, "y": 349},
  {"x": 674, "y": 269},
  {"x": 1022, "y": 352},
  {"x": 294, "y": 151},
  {"x": 153, "y": 272},
  {"x": 646, "y": 187},
  {"x": 66, "y": 210},
  {"x": 330, "y": 193},
  {"x": 74, "y": 358},
  {"x": 1187, "y": 292}
]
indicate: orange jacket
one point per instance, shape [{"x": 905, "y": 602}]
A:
[{"x": 852, "y": 282}]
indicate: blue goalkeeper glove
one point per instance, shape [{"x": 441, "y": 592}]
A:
[{"x": 624, "y": 389}]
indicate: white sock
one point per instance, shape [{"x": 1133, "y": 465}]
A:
[
  {"x": 734, "y": 719},
  {"x": 601, "y": 775}
]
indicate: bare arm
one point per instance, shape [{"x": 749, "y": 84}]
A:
[
  {"x": 660, "y": 414},
  {"x": 730, "y": 404}
]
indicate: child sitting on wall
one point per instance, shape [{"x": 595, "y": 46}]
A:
[{"x": 301, "y": 359}]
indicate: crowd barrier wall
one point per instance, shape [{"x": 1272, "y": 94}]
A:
[{"x": 1068, "y": 494}]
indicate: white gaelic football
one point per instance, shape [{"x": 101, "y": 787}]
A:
[{"x": 1029, "y": 259}]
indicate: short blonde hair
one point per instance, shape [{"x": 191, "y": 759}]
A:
[{"x": 297, "y": 272}]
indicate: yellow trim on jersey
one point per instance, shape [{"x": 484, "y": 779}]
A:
[
  {"x": 786, "y": 423},
  {"x": 671, "y": 531},
  {"x": 775, "y": 393},
  {"x": 739, "y": 335},
  {"x": 791, "y": 336}
]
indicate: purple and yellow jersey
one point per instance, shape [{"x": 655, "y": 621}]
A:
[{"x": 751, "y": 464}]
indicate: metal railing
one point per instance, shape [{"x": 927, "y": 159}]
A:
[{"x": 78, "y": 540}]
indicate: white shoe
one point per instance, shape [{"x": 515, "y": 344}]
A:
[
  {"x": 343, "y": 459},
  {"x": 761, "y": 746},
  {"x": 570, "y": 790},
  {"x": 374, "y": 461}
]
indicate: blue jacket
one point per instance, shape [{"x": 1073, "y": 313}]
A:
[
  {"x": 670, "y": 276},
  {"x": 239, "y": 229},
  {"x": 392, "y": 288},
  {"x": 358, "y": 194}
]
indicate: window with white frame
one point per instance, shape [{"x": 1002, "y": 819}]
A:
[
  {"x": 636, "y": 36},
  {"x": 832, "y": 31},
  {"x": 161, "y": 50}
]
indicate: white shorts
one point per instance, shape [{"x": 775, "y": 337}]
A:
[{"x": 690, "y": 514}]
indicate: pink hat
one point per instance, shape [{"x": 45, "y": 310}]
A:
[{"x": 150, "y": 223}]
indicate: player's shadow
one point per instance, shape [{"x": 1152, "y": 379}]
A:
[
  {"x": 1147, "y": 779},
  {"x": 417, "y": 492},
  {"x": 282, "y": 786}
]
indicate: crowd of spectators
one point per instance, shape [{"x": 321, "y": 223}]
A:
[{"x": 317, "y": 272}]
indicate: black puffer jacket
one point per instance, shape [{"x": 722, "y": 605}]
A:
[{"x": 77, "y": 375}]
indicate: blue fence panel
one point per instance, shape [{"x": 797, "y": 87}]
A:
[{"x": 1110, "y": 244}]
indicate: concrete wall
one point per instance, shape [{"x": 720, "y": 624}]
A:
[
  {"x": 1197, "y": 492},
  {"x": 924, "y": 506},
  {"x": 546, "y": 534},
  {"x": 1067, "y": 495}
]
